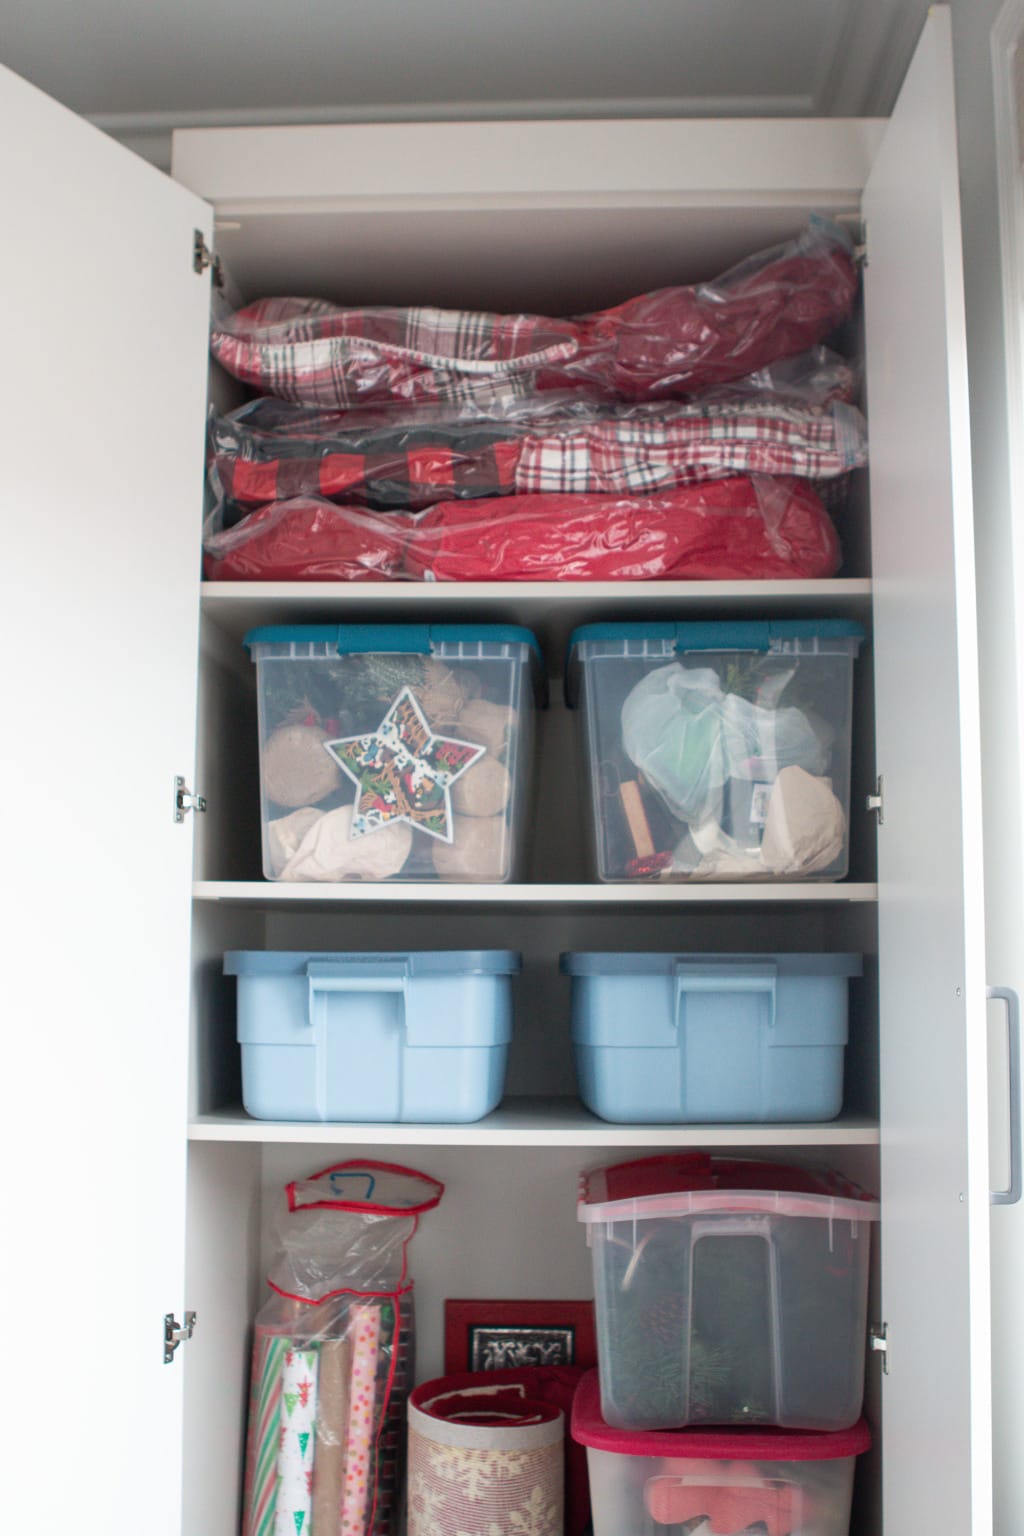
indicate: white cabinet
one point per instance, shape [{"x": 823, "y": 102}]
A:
[{"x": 105, "y": 416}]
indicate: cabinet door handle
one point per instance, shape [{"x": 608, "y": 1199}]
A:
[{"x": 1007, "y": 995}]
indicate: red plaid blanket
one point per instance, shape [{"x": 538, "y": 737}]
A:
[
  {"x": 273, "y": 451},
  {"x": 728, "y": 530},
  {"x": 673, "y": 341}
]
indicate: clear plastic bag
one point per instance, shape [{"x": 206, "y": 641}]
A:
[
  {"x": 270, "y": 450},
  {"x": 332, "y": 1354},
  {"x": 670, "y": 342},
  {"x": 744, "y": 528}
]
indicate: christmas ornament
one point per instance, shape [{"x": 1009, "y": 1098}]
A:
[
  {"x": 403, "y": 772},
  {"x": 295, "y": 768},
  {"x": 492, "y": 725},
  {"x": 484, "y": 790},
  {"x": 479, "y": 850}
]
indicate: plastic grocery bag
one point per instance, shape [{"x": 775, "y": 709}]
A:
[{"x": 333, "y": 1354}]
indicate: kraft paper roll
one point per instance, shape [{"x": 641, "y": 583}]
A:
[{"x": 331, "y": 1427}]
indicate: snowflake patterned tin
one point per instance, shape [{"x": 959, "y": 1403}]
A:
[
  {"x": 484, "y": 1457},
  {"x": 394, "y": 752}
]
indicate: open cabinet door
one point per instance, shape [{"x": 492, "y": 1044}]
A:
[
  {"x": 935, "y": 1400},
  {"x": 105, "y": 328}
]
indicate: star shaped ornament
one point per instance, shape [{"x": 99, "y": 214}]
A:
[{"x": 403, "y": 772}]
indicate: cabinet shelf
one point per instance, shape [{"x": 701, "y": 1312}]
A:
[
  {"x": 551, "y": 608},
  {"x": 536, "y": 1122},
  {"x": 284, "y": 896}
]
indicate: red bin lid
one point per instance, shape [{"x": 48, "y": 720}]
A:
[{"x": 742, "y": 1444}]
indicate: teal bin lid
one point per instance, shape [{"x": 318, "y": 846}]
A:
[
  {"x": 371, "y": 963},
  {"x": 407, "y": 639},
  {"x": 720, "y": 635}
]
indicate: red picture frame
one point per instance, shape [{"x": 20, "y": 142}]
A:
[{"x": 482, "y": 1334}]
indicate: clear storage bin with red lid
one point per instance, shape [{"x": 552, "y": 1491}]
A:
[
  {"x": 728, "y": 1292},
  {"x": 716, "y": 1482}
]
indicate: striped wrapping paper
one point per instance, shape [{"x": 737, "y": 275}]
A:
[{"x": 268, "y": 1356}]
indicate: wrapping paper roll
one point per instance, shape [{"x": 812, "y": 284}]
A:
[
  {"x": 331, "y": 1429},
  {"x": 297, "y": 1442},
  {"x": 486, "y": 1458},
  {"x": 269, "y": 1352},
  {"x": 365, "y": 1334}
]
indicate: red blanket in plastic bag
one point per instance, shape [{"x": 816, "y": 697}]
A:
[
  {"x": 743, "y": 528},
  {"x": 673, "y": 341}
]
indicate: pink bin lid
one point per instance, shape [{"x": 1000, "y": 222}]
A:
[
  {"x": 589, "y": 1428},
  {"x": 674, "y": 1184}
]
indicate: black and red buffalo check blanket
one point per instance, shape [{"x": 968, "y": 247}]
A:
[{"x": 271, "y": 451}]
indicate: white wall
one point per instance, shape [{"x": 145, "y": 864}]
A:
[{"x": 998, "y": 558}]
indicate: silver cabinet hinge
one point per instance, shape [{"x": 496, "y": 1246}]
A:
[
  {"x": 203, "y": 257},
  {"x": 876, "y": 801},
  {"x": 878, "y": 1341},
  {"x": 185, "y": 800},
  {"x": 174, "y": 1335}
]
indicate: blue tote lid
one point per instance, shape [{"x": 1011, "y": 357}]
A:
[{"x": 372, "y": 963}]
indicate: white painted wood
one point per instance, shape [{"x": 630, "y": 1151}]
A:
[
  {"x": 555, "y": 1122},
  {"x": 103, "y": 417},
  {"x": 373, "y": 213},
  {"x": 996, "y": 340},
  {"x": 699, "y": 893},
  {"x": 551, "y": 609},
  {"x": 244, "y": 169},
  {"x": 931, "y": 962},
  {"x": 225, "y": 1284}
]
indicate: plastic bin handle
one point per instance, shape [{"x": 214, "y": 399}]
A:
[
  {"x": 323, "y": 976},
  {"x": 728, "y": 977},
  {"x": 1007, "y": 995}
]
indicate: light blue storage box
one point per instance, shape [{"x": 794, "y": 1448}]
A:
[
  {"x": 373, "y": 1037},
  {"x": 703, "y": 1038}
]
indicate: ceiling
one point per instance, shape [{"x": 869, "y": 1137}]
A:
[{"x": 140, "y": 69}]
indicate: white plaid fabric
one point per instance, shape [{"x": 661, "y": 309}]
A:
[{"x": 648, "y": 449}]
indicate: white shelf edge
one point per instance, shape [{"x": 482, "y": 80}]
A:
[
  {"x": 534, "y": 1123},
  {"x": 268, "y": 893},
  {"x": 235, "y": 606},
  {"x": 229, "y": 593}
]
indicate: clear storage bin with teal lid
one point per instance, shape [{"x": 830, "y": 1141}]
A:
[
  {"x": 394, "y": 1036},
  {"x": 701, "y": 1038},
  {"x": 395, "y": 751},
  {"x": 717, "y": 751}
]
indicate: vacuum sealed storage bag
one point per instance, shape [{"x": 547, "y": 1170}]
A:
[{"x": 669, "y": 342}]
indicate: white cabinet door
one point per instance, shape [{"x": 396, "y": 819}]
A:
[
  {"x": 101, "y": 456},
  {"x": 934, "y": 1146}
]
